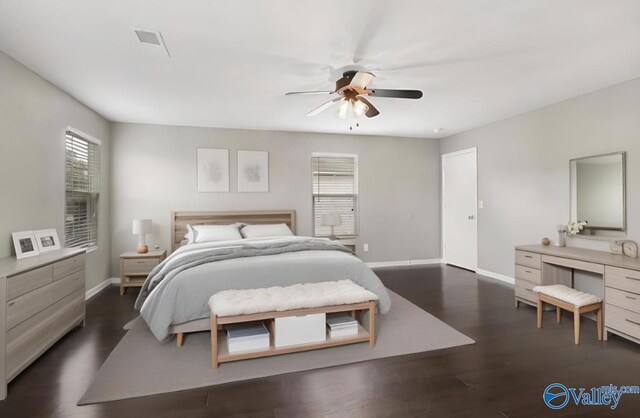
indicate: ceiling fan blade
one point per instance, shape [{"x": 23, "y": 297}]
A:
[
  {"x": 291, "y": 93},
  {"x": 325, "y": 106},
  {"x": 372, "y": 111},
  {"x": 398, "y": 94},
  {"x": 361, "y": 80}
]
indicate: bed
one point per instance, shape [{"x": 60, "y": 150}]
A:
[{"x": 174, "y": 298}]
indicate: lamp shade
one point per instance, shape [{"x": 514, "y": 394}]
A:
[
  {"x": 141, "y": 226},
  {"x": 331, "y": 219}
]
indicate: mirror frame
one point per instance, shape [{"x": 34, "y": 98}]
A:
[{"x": 624, "y": 191}]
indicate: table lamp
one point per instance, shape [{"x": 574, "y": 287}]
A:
[
  {"x": 142, "y": 227},
  {"x": 332, "y": 220}
]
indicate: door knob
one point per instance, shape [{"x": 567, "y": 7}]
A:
[{"x": 472, "y": 217}]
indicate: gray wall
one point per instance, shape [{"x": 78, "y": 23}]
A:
[
  {"x": 33, "y": 118},
  {"x": 154, "y": 173},
  {"x": 523, "y": 168}
]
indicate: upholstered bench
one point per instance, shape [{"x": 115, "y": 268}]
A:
[
  {"x": 297, "y": 301},
  {"x": 572, "y": 300}
]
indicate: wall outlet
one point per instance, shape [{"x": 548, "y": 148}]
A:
[
  {"x": 480, "y": 204},
  {"x": 365, "y": 247}
]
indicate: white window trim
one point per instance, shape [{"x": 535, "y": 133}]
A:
[
  {"x": 338, "y": 155},
  {"x": 97, "y": 142},
  {"x": 83, "y": 135},
  {"x": 356, "y": 177}
]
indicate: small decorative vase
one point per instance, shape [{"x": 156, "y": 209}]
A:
[{"x": 561, "y": 239}]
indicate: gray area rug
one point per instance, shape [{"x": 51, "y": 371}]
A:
[{"x": 141, "y": 366}]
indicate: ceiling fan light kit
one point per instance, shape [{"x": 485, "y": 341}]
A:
[{"x": 352, "y": 89}]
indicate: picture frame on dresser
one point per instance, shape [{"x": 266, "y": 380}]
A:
[
  {"x": 47, "y": 240},
  {"x": 24, "y": 242}
]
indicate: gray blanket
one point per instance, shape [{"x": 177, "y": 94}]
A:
[
  {"x": 178, "y": 290},
  {"x": 174, "y": 265}
]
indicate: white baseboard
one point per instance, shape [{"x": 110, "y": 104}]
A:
[
  {"x": 100, "y": 287},
  {"x": 404, "y": 263},
  {"x": 496, "y": 276}
]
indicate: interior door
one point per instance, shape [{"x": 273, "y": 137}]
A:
[{"x": 460, "y": 208}]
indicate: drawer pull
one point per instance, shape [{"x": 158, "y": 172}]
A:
[
  {"x": 630, "y": 297},
  {"x": 140, "y": 262},
  {"x": 530, "y": 290},
  {"x": 528, "y": 256},
  {"x": 633, "y": 322},
  {"x": 528, "y": 271},
  {"x": 632, "y": 278},
  {"x": 11, "y": 303}
]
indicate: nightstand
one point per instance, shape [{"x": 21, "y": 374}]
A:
[
  {"x": 349, "y": 243},
  {"x": 134, "y": 267}
]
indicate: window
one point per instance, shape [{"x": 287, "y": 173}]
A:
[
  {"x": 335, "y": 190},
  {"x": 82, "y": 190}
]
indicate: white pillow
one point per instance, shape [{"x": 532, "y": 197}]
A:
[
  {"x": 207, "y": 233},
  {"x": 273, "y": 230}
]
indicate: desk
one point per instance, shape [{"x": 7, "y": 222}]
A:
[{"x": 546, "y": 265}]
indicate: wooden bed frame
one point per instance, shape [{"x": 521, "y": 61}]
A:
[{"x": 179, "y": 222}]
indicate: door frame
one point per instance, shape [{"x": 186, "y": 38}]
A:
[{"x": 443, "y": 157}]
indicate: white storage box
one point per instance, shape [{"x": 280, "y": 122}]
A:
[
  {"x": 294, "y": 330},
  {"x": 247, "y": 337}
]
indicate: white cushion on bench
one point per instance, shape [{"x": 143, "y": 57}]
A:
[
  {"x": 297, "y": 296},
  {"x": 567, "y": 294}
]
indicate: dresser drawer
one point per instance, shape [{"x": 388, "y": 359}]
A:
[
  {"x": 32, "y": 337},
  {"x": 528, "y": 259},
  {"x": 67, "y": 266},
  {"x": 26, "y": 282},
  {"x": 139, "y": 266},
  {"x": 528, "y": 273},
  {"x": 524, "y": 289},
  {"x": 622, "y": 299},
  {"x": 622, "y": 279},
  {"x": 68, "y": 285},
  {"x": 28, "y": 305},
  {"x": 622, "y": 320}
]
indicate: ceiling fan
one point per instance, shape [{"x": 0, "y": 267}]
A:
[{"x": 352, "y": 92}]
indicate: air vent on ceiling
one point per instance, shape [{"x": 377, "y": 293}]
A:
[
  {"x": 148, "y": 37},
  {"x": 152, "y": 42}
]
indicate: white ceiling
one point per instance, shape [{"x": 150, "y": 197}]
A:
[{"x": 232, "y": 60}]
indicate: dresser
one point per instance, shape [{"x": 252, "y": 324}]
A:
[
  {"x": 42, "y": 298},
  {"x": 545, "y": 265}
]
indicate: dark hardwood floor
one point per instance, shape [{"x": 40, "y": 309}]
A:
[{"x": 502, "y": 375}]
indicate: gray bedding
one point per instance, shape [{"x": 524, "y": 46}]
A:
[{"x": 178, "y": 290}]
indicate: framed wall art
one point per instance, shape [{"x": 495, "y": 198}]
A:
[
  {"x": 213, "y": 170},
  {"x": 253, "y": 171}
]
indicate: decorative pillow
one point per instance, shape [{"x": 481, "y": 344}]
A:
[
  {"x": 207, "y": 233},
  {"x": 273, "y": 230}
]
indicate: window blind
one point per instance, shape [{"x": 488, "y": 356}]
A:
[
  {"x": 335, "y": 190},
  {"x": 82, "y": 191}
]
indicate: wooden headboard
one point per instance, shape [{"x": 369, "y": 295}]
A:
[{"x": 179, "y": 220}]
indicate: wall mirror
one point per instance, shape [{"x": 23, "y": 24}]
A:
[{"x": 598, "y": 194}]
